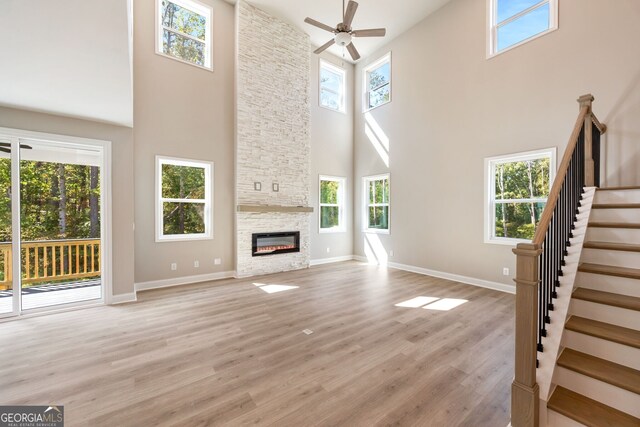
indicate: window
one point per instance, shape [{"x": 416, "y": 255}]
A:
[
  {"x": 332, "y": 203},
  {"x": 377, "y": 77},
  {"x": 513, "y": 22},
  {"x": 376, "y": 191},
  {"x": 518, "y": 187},
  {"x": 332, "y": 86},
  {"x": 184, "y": 31},
  {"x": 184, "y": 197}
]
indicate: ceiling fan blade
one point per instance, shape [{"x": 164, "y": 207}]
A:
[
  {"x": 372, "y": 32},
  {"x": 353, "y": 51},
  {"x": 319, "y": 25},
  {"x": 8, "y": 145},
  {"x": 325, "y": 46},
  {"x": 5, "y": 144},
  {"x": 349, "y": 13},
  {"x": 26, "y": 147},
  {"x": 5, "y": 150}
]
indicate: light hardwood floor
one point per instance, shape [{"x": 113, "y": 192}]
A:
[{"x": 228, "y": 353}]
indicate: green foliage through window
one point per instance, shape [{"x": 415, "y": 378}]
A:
[
  {"x": 331, "y": 201},
  {"x": 184, "y": 33},
  {"x": 521, "y": 189},
  {"x": 379, "y": 84},
  {"x": 378, "y": 203}
]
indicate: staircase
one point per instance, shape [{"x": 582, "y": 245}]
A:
[{"x": 597, "y": 373}]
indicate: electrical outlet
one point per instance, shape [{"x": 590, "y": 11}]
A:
[
  {"x": 217, "y": 261},
  {"x": 196, "y": 263},
  {"x": 505, "y": 271},
  {"x": 328, "y": 250},
  {"x": 390, "y": 253},
  {"x": 174, "y": 266}
]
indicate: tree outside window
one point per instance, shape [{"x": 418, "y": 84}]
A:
[
  {"x": 332, "y": 202},
  {"x": 377, "y": 203}
]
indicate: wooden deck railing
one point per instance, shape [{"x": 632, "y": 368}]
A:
[
  {"x": 539, "y": 263},
  {"x": 51, "y": 260}
]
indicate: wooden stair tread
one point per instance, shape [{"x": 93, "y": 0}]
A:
[
  {"x": 588, "y": 411},
  {"x": 606, "y": 331},
  {"x": 601, "y": 369},
  {"x": 598, "y": 224},
  {"x": 607, "y": 298},
  {"x": 615, "y": 206},
  {"x": 611, "y": 246},
  {"x": 609, "y": 270},
  {"x": 618, "y": 188}
]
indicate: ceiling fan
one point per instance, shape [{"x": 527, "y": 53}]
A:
[
  {"x": 343, "y": 32},
  {"x": 5, "y": 147}
]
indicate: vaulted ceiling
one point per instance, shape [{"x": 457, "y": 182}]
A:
[{"x": 396, "y": 16}]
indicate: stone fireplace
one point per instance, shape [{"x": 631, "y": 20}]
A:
[{"x": 272, "y": 140}]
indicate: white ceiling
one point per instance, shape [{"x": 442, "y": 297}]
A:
[
  {"x": 69, "y": 57},
  {"x": 395, "y": 16}
]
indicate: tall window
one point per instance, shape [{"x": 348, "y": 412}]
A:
[
  {"x": 376, "y": 191},
  {"x": 184, "y": 198},
  {"x": 332, "y": 86},
  {"x": 513, "y": 22},
  {"x": 518, "y": 187},
  {"x": 332, "y": 204},
  {"x": 184, "y": 31},
  {"x": 377, "y": 77}
]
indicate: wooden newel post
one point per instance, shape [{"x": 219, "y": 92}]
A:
[
  {"x": 525, "y": 392},
  {"x": 589, "y": 169}
]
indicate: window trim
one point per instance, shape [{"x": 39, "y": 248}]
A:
[
  {"x": 366, "y": 204},
  {"x": 492, "y": 25},
  {"x": 207, "y": 201},
  {"x": 367, "y": 70},
  {"x": 489, "y": 190},
  {"x": 196, "y": 7},
  {"x": 337, "y": 70},
  {"x": 342, "y": 204}
]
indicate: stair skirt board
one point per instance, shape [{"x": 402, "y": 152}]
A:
[
  {"x": 605, "y": 393},
  {"x": 614, "y": 235},
  {"x": 604, "y": 349},
  {"x": 605, "y": 313},
  {"x": 555, "y": 419},
  {"x": 609, "y": 257},
  {"x": 618, "y": 196},
  {"x": 602, "y": 282}
]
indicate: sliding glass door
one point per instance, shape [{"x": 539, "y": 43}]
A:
[{"x": 56, "y": 225}]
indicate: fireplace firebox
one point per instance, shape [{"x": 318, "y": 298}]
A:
[{"x": 275, "y": 243}]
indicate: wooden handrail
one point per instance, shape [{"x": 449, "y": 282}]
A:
[
  {"x": 52, "y": 260},
  {"x": 601, "y": 126},
  {"x": 547, "y": 213}
]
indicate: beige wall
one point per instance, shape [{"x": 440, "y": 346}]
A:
[
  {"x": 331, "y": 154},
  {"x": 183, "y": 111},
  {"x": 452, "y": 108},
  {"x": 122, "y": 178}
]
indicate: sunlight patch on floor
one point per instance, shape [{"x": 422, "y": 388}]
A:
[
  {"x": 432, "y": 303},
  {"x": 272, "y": 289}
]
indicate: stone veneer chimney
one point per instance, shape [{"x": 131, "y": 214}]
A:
[{"x": 272, "y": 135}]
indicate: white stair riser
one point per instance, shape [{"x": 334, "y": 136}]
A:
[
  {"x": 608, "y": 257},
  {"x": 604, "y": 349},
  {"x": 613, "y": 235},
  {"x": 617, "y": 196},
  {"x": 618, "y": 398},
  {"x": 605, "y": 313},
  {"x": 555, "y": 419},
  {"x": 602, "y": 282},
  {"x": 615, "y": 215}
]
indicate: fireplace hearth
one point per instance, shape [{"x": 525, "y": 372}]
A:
[{"x": 275, "y": 243}]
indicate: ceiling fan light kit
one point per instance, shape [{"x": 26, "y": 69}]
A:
[{"x": 343, "y": 33}]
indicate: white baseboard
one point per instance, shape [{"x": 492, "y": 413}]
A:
[
  {"x": 449, "y": 276},
  {"x": 185, "y": 280},
  {"x": 123, "y": 298},
  {"x": 321, "y": 261}
]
